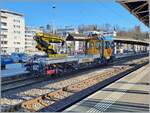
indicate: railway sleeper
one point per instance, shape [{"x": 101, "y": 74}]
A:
[
  {"x": 75, "y": 89},
  {"x": 59, "y": 95},
  {"x": 49, "y": 100},
  {"x": 55, "y": 96},
  {"x": 48, "y": 97},
  {"x": 35, "y": 106},
  {"x": 29, "y": 108},
  {"x": 42, "y": 102},
  {"x": 29, "y": 104}
]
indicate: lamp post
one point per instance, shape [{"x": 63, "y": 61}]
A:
[{"x": 53, "y": 11}]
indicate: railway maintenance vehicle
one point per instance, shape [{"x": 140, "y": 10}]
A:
[{"x": 61, "y": 57}]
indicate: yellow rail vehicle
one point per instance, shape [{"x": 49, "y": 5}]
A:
[
  {"x": 94, "y": 45},
  {"x": 91, "y": 46},
  {"x": 97, "y": 50},
  {"x": 100, "y": 45}
]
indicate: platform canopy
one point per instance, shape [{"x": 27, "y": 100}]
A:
[
  {"x": 131, "y": 41},
  {"x": 138, "y": 8}
]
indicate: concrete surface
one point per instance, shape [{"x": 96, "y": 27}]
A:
[
  {"x": 13, "y": 69},
  {"x": 128, "y": 94}
]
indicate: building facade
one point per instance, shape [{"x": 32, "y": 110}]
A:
[
  {"x": 64, "y": 31},
  {"x": 12, "y": 28},
  {"x": 30, "y": 43}
]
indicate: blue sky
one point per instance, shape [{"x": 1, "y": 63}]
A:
[{"x": 73, "y": 12}]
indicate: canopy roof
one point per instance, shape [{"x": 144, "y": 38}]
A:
[
  {"x": 131, "y": 41},
  {"x": 138, "y": 8}
]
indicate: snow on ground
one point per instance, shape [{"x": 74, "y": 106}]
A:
[{"x": 13, "y": 69}]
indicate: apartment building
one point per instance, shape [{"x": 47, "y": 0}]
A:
[
  {"x": 30, "y": 43},
  {"x": 12, "y": 31}
]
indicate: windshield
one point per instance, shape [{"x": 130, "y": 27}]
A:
[{"x": 107, "y": 44}]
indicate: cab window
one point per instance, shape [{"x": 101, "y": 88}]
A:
[{"x": 107, "y": 44}]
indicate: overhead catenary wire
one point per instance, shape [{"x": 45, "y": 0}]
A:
[{"x": 120, "y": 15}]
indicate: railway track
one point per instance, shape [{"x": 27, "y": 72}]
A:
[
  {"x": 27, "y": 80},
  {"x": 12, "y": 85},
  {"x": 50, "y": 99},
  {"x": 14, "y": 80}
]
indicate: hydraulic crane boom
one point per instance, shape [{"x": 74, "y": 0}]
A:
[{"x": 44, "y": 43}]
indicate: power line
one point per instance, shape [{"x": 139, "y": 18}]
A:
[{"x": 123, "y": 18}]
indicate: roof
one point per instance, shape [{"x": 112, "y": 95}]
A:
[
  {"x": 76, "y": 37},
  {"x": 109, "y": 38},
  {"x": 131, "y": 41},
  {"x": 10, "y": 12},
  {"x": 139, "y": 8}
]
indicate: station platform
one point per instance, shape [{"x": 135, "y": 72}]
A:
[
  {"x": 128, "y": 94},
  {"x": 13, "y": 70}
]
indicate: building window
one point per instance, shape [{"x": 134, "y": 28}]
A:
[
  {"x": 3, "y": 23},
  {"x": 28, "y": 35},
  {"x": 4, "y": 48},
  {"x": 4, "y": 30},
  {"x": 16, "y": 49},
  {"x": 17, "y": 32},
  {"x": 15, "y": 20},
  {"x": 3, "y": 51},
  {"x": 3, "y": 36},
  {"x": 3, "y": 42},
  {"x": 16, "y": 42},
  {"x": 4, "y": 17},
  {"x": 16, "y": 26}
]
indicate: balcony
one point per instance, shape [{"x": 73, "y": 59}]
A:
[
  {"x": 3, "y": 19},
  {"x": 3, "y": 27},
  {"x": 3, "y": 31}
]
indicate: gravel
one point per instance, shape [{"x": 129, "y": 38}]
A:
[{"x": 16, "y": 96}]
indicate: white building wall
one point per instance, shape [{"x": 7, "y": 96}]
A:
[
  {"x": 76, "y": 45},
  {"x": 15, "y": 32},
  {"x": 62, "y": 32},
  {"x": 30, "y": 43}
]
